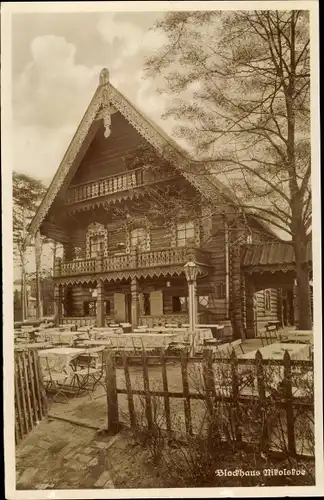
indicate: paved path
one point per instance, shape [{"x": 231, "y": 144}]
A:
[{"x": 58, "y": 454}]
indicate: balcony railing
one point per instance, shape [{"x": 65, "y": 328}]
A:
[
  {"x": 134, "y": 260},
  {"x": 113, "y": 184}
]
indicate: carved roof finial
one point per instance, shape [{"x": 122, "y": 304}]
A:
[{"x": 104, "y": 76}]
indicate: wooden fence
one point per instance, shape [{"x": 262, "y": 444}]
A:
[
  {"x": 210, "y": 393},
  {"x": 30, "y": 395}
]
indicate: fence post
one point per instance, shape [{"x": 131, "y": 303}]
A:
[
  {"x": 131, "y": 407},
  {"x": 166, "y": 393},
  {"x": 186, "y": 401},
  {"x": 112, "y": 397},
  {"x": 262, "y": 395},
  {"x": 235, "y": 392},
  {"x": 147, "y": 396},
  {"x": 208, "y": 379},
  {"x": 289, "y": 405}
]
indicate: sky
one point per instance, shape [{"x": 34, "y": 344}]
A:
[{"x": 56, "y": 61}]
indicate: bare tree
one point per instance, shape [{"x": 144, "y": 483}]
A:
[{"x": 242, "y": 82}]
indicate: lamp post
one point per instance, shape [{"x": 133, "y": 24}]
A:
[{"x": 191, "y": 272}]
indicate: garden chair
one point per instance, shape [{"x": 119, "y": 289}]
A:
[
  {"x": 58, "y": 378},
  {"x": 89, "y": 370}
]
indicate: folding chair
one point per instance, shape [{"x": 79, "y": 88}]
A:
[
  {"x": 89, "y": 369},
  {"x": 57, "y": 377}
]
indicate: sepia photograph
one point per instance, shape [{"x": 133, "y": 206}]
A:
[{"x": 162, "y": 290}]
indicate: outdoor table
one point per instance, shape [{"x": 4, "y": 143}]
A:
[
  {"x": 277, "y": 351},
  {"x": 59, "y": 356},
  {"x": 136, "y": 340},
  {"x": 61, "y": 337},
  {"x": 33, "y": 345}
]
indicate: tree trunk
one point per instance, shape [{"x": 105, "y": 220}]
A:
[
  {"x": 304, "y": 320},
  {"x": 37, "y": 248}
]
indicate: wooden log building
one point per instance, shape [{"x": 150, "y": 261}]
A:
[{"x": 131, "y": 209}]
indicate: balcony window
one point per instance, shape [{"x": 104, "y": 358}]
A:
[
  {"x": 185, "y": 233},
  {"x": 140, "y": 239},
  {"x": 96, "y": 245},
  {"x": 179, "y": 304}
]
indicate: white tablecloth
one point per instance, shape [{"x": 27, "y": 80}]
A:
[
  {"x": 59, "y": 358},
  {"x": 277, "y": 351}
]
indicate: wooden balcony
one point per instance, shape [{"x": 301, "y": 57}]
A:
[
  {"x": 133, "y": 261},
  {"x": 114, "y": 184}
]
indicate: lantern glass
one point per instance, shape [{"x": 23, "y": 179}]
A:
[{"x": 191, "y": 271}]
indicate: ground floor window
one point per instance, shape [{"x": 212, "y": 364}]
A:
[
  {"x": 267, "y": 300},
  {"x": 146, "y": 304},
  {"x": 179, "y": 304},
  {"x": 90, "y": 308},
  {"x": 203, "y": 302},
  {"x": 107, "y": 307}
]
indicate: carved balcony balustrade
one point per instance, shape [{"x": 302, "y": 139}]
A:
[
  {"x": 133, "y": 261},
  {"x": 114, "y": 184}
]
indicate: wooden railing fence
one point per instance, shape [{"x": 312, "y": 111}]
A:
[
  {"x": 30, "y": 395},
  {"x": 211, "y": 393}
]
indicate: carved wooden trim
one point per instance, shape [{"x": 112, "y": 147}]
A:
[
  {"x": 105, "y": 96},
  {"x": 96, "y": 229},
  {"x": 67, "y": 161}
]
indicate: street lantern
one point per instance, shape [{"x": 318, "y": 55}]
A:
[{"x": 191, "y": 272}]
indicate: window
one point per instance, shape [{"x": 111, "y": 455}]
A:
[
  {"x": 89, "y": 308},
  {"x": 96, "y": 245},
  {"x": 220, "y": 291},
  {"x": 146, "y": 304},
  {"x": 249, "y": 239},
  {"x": 139, "y": 239},
  {"x": 185, "y": 233},
  {"x": 203, "y": 302},
  {"x": 267, "y": 300},
  {"x": 179, "y": 304},
  {"x": 107, "y": 307}
]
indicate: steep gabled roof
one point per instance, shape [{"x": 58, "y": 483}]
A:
[{"x": 106, "y": 95}]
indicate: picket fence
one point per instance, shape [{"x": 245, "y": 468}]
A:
[
  {"x": 30, "y": 395},
  {"x": 286, "y": 402}
]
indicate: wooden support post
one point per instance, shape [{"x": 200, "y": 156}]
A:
[
  {"x": 38, "y": 251},
  {"x": 135, "y": 302},
  {"x": 100, "y": 305},
  {"x": 58, "y": 304},
  {"x": 250, "y": 311},
  {"x": 57, "y": 267}
]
